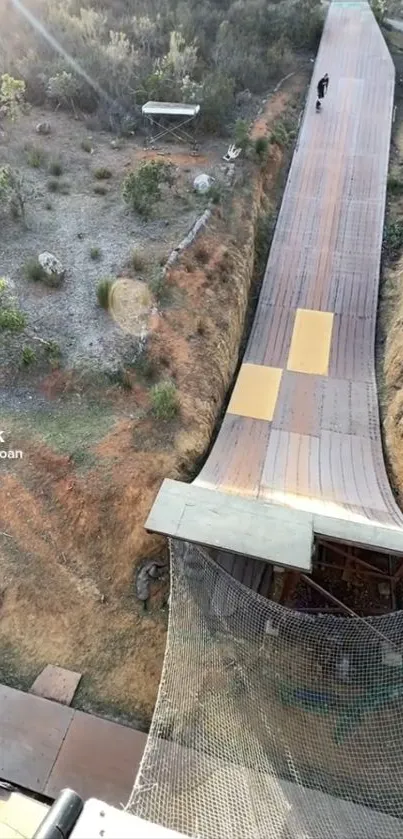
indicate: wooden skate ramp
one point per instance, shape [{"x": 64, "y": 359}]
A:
[{"x": 302, "y": 426}]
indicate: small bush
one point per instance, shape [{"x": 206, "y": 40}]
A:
[
  {"x": 12, "y": 319},
  {"x": 33, "y": 271},
  {"x": 102, "y": 174},
  {"x": 164, "y": 401},
  {"x": 241, "y": 134},
  {"x": 103, "y": 293},
  {"x": 28, "y": 356},
  {"x": 393, "y": 238},
  {"x": 142, "y": 189},
  {"x": 86, "y": 146},
  {"x": 100, "y": 190},
  {"x": 53, "y": 353},
  {"x": 145, "y": 367},
  {"x": 279, "y": 135},
  {"x": 121, "y": 377},
  {"x": 201, "y": 253},
  {"x": 35, "y": 157},
  {"x": 95, "y": 253},
  {"x": 395, "y": 185},
  {"x": 261, "y": 149},
  {"x": 56, "y": 168},
  {"x": 215, "y": 194},
  {"x": 3, "y": 284},
  {"x": 48, "y": 205},
  {"x": 53, "y": 185},
  {"x": 157, "y": 284},
  {"x": 137, "y": 260}
]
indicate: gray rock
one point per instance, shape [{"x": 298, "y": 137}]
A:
[
  {"x": 202, "y": 183},
  {"x": 52, "y": 267},
  {"x": 43, "y": 128}
]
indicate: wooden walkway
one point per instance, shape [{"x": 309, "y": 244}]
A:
[
  {"x": 45, "y": 747},
  {"x": 302, "y": 427}
]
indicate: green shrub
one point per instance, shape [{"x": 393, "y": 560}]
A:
[
  {"x": 95, "y": 253},
  {"x": 217, "y": 102},
  {"x": 56, "y": 168},
  {"x": 393, "y": 238},
  {"x": 201, "y": 253},
  {"x": 145, "y": 367},
  {"x": 86, "y": 146},
  {"x": 261, "y": 149},
  {"x": 100, "y": 190},
  {"x": 395, "y": 185},
  {"x": 35, "y": 157},
  {"x": 279, "y": 134},
  {"x": 53, "y": 353},
  {"x": 142, "y": 189},
  {"x": 157, "y": 284},
  {"x": 103, "y": 292},
  {"x": 33, "y": 271},
  {"x": 53, "y": 185},
  {"x": 12, "y": 319},
  {"x": 241, "y": 134},
  {"x": 28, "y": 356},
  {"x": 12, "y": 192},
  {"x": 215, "y": 193},
  {"x": 164, "y": 400},
  {"x": 102, "y": 174},
  {"x": 137, "y": 260}
]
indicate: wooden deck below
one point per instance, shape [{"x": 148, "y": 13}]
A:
[{"x": 45, "y": 747}]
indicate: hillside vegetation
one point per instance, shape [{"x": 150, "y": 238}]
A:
[{"x": 109, "y": 58}]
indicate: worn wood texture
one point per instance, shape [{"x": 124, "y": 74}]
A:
[{"x": 321, "y": 450}]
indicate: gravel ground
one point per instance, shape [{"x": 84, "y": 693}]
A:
[{"x": 69, "y": 225}]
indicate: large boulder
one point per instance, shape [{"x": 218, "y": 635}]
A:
[
  {"x": 202, "y": 183},
  {"x": 43, "y": 128},
  {"x": 52, "y": 267}
]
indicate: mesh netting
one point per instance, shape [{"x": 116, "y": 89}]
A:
[{"x": 270, "y": 723}]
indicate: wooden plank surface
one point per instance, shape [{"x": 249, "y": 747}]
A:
[
  {"x": 45, "y": 747},
  {"x": 98, "y": 757},
  {"x": 322, "y": 450},
  {"x": 32, "y": 731}
]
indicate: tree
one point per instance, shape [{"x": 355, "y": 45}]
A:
[{"x": 12, "y": 93}]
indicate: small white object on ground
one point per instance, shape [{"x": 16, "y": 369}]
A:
[{"x": 202, "y": 183}]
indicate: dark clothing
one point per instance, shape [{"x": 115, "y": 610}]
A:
[{"x": 323, "y": 85}]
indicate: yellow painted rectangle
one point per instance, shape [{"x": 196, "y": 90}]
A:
[
  {"x": 255, "y": 392},
  {"x": 310, "y": 343}
]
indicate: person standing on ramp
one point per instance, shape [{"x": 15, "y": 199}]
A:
[{"x": 323, "y": 85}]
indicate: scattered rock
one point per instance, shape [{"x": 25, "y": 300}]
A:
[
  {"x": 52, "y": 267},
  {"x": 202, "y": 183},
  {"x": 151, "y": 569},
  {"x": 43, "y": 128}
]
